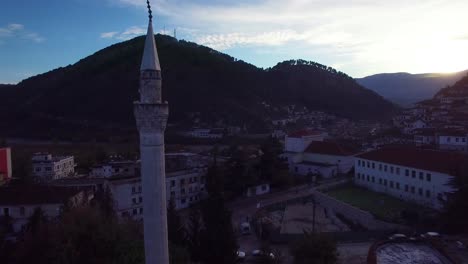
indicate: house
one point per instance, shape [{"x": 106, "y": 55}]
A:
[
  {"x": 19, "y": 202},
  {"x": 47, "y": 167},
  {"x": 127, "y": 168},
  {"x": 412, "y": 174},
  {"x": 5, "y": 165}
]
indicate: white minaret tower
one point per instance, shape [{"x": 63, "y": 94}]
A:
[{"x": 151, "y": 117}]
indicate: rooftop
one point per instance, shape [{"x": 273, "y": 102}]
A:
[
  {"x": 35, "y": 195},
  {"x": 430, "y": 160},
  {"x": 304, "y": 133},
  {"x": 328, "y": 148}
]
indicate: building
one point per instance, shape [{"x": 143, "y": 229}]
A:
[
  {"x": 420, "y": 176},
  {"x": 125, "y": 168},
  {"x": 207, "y": 133},
  {"x": 298, "y": 141},
  {"x": 151, "y": 114},
  {"x": 183, "y": 186},
  {"x": 20, "y": 202},
  {"x": 47, "y": 167},
  {"x": 5, "y": 165},
  {"x": 258, "y": 190},
  {"x": 309, "y": 154},
  {"x": 453, "y": 140}
]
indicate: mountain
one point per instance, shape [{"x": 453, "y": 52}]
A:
[
  {"x": 406, "y": 89},
  {"x": 97, "y": 93},
  {"x": 459, "y": 89}
]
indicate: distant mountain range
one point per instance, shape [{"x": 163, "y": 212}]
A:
[
  {"x": 97, "y": 93},
  {"x": 406, "y": 89}
]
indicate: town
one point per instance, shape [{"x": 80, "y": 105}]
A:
[{"x": 159, "y": 150}]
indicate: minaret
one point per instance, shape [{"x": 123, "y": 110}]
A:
[{"x": 151, "y": 117}]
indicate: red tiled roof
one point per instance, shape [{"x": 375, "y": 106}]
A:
[
  {"x": 431, "y": 160},
  {"x": 304, "y": 133},
  {"x": 35, "y": 195},
  {"x": 328, "y": 148}
]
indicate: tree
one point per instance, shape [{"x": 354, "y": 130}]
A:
[
  {"x": 194, "y": 234},
  {"x": 314, "y": 248},
  {"x": 454, "y": 217},
  {"x": 105, "y": 201},
  {"x": 176, "y": 230},
  {"x": 82, "y": 235},
  {"x": 218, "y": 241}
]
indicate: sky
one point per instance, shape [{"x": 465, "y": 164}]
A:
[{"x": 358, "y": 37}]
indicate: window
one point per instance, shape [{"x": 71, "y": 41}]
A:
[
  {"x": 6, "y": 211},
  {"x": 412, "y": 189},
  {"x": 380, "y": 181},
  {"x": 182, "y": 181},
  {"x": 391, "y": 169},
  {"x": 133, "y": 189},
  {"x": 413, "y": 174},
  {"x": 359, "y": 163},
  {"x": 391, "y": 184},
  {"x": 420, "y": 191},
  {"x": 421, "y": 175},
  {"x": 380, "y": 167},
  {"x": 406, "y": 187},
  {"x": 38, "y": 169},
  {"x": 182, "y": 201},
  {"x": 398, "y": 185},
  {"x": 172, "y": 183},
  {"x": 373, "y": 165},
  {"x": 385, "y": 183},
  {"x": 139, "y": 188},
  {"x": 428, "y": 194},
  {"x": 48, "y": 168},
  {"x": 385, "y": 168},
  {"x": 457, "y": 139},
  {"x": 141, "y": 210},
  {"x": 449, "y": 139},
  {"x": 295, "y": 169},
  {"x": 373, "y": 179},
  {"x": 172, "y": 193},
  {"x": 368, "y": 164},
  {"x": 140, "y": 199},
  {"x": 398, "y": 171},
  {"x": 134, "y": 200},
  {"x": 368, "y": 178},
  {"x": 22, "y": 211},
  {"x": 406, "y": 172},
  {"x": 135, "y": 211},
  {"x": 428, "y": 177}
]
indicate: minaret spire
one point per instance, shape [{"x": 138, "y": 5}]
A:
[{"x": 151, "y": 115}]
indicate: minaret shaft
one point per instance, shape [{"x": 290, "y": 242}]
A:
[{"x": 151, "y": 117}]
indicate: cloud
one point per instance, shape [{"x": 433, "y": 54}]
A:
[
  {"x": 360, "y": 36},
  {"x": 18, "y": 30},
  {"x": 127, "y": 34},
  {"x": 109, "y": 34}
]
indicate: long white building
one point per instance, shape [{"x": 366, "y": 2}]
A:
[{"x": 420, "y": 176}]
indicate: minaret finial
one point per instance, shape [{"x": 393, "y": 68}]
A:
[{"x": 149, "y": 11}]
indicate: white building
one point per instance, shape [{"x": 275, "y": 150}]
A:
[
  {"x": 298, "y": 141},
  {"x": 19, "y": 203},
  {"x": 125, "y": 168},
  {"x": 258, "y": 190},
  {"x": 307, "y": 154},
  {"x": 453, "y": 140},
  {"x": 185, "y": 187},
  {"x": 47, "y": 167},
  {"x": 420, "y": 176}
]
